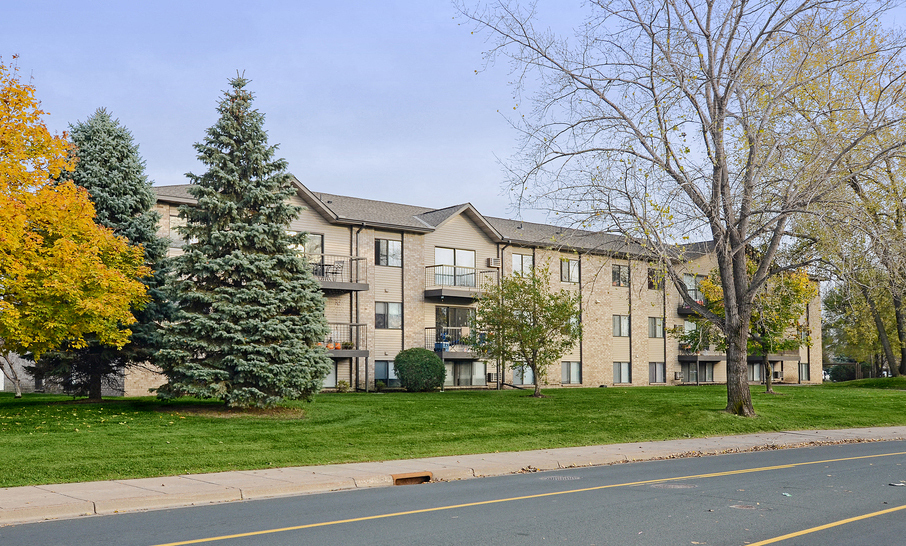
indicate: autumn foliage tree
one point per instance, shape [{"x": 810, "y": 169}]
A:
[{"x": 62, "y": 277}]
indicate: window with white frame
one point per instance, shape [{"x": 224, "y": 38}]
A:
[
  {"x": 655, "y": 327},
  {"x": 388, "y": 252},
  {"x": 385, "y": 373},
  {"x": 620, "y": 275},
  {"x": 330, "y": 381},
  {"x": 465, "y": 373},
  {"x": 655, "y": 279},
  {"x": 621, "y": 326},
  {"x": 693, "y": 286},
  {"x": 523, "y": 375},
  {"x": 622, "y": 372},
  {"x": 755, "y": 372},
  {"x": 523, "y": 264},
  {"x": 657, "y": 372},
  {"x": 569, "y": 270},
  {"x": 388, "y": 315},
  {"x": 572, "y": 373},
  {"x": 805, "y": 374}
]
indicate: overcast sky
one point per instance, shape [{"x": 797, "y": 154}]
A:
[{"x": 370, "y": 99}]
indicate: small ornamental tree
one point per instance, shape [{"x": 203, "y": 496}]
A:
[
  {"x": 419, "y": 370},
  {"x": 110, "y": 168},
  {"x": 775, "y": 324},
  {"x": 521, "y": 321},
  {"x": 250, "y": 312},
  {"x": 63, "y": 278}
]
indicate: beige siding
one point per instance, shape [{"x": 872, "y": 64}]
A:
[
  {"x": 336, "y": 238},
  {"x": 460, "y": 232}
]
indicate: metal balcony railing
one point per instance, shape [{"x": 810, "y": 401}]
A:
[
  {"x": 467, "y": 278},
  {"x": 446, "y": 338},
  {"x": 346, "y": 336},
  {"x": 338, "y": 268}
]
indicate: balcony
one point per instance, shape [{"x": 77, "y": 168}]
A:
[
  {"x": 449, "y": 343},
  {"x": 447, "y": 281},
  {"x": 685, "y": 309},
  {"x": 346, "y": 340},
  {"x": 338, "y": 273}
]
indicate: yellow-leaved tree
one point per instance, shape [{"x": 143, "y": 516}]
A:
[{"x": 62, "y": 276}]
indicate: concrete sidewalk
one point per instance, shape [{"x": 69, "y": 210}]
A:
[{"x": 35, "y": 503}]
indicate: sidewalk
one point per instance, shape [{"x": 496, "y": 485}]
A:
[{"x": 35, "y": 503}]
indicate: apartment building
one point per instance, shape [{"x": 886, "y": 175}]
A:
[{"x": 400, "y": 276}]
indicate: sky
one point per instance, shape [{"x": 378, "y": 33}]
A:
[{"x": 379, "y": 100}]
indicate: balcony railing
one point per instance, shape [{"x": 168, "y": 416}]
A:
[
  {"x": 346, "y": 337},
  {"x": 448, "y": 339},
  {"x": 468, "y": 279},
  {"x": 336, "y": 268}
]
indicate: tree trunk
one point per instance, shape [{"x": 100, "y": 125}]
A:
[
  {"x": 11, "y": 374},
  {"x": 768, "y": 374},
  {"x": 94, "y": 387},
  {"x": 739, "y": 397},
  {"x": 882, "y": 332},
  {"x": 901, "y": 328}
]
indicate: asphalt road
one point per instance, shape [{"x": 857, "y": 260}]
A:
[{"x": 789, "y": 497}]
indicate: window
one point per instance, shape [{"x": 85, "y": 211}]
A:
[
  {"x": 465, "y": 374},
  {"x": 621, "y": 326},
  {"x": 387, "y": 252},
  {"x": 703, "y": 373},
  {"x": 385, "y": 373},
  {"x": 454, "y": 267},
  {"x": 523, "y": 264},
  {"x": 693, "y": 283},
  {"x": 330, "y": 381},
  {"x": 655, "y": 327},
  {"x": 655, "y": 279},
  {"x": 523, "y": 376},
  {"x": 620, "y": 275},
  {"x": 622, "y": 372},
  {"x": 569, "y": 270},
  {"x": 388, "y": 315},
  {"x": 755, "y": 371},
  {"x": 176, "y": 238},
  {"x": 688, "y": 326},
  {"x": 805, "y": 374},
  {"x": 451, "y": 323},
  {"x": 572, "y": 373},
  {"x": 657, "y": 372}
]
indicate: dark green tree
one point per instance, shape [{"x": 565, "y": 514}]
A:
[
  {"x": 250, "y": 312},
  {"x": 110, "y": 167},
  {"x": 419, "y": 370}
]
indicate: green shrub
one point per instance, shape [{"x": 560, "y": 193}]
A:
[
  {"x": 342, "y": 386},
  {"x": 419, "y": 370}
]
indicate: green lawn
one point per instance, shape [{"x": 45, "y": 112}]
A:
[{"x": 49, "y": 439}]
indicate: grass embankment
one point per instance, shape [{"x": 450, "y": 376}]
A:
[{"x": 50, "y": 439}]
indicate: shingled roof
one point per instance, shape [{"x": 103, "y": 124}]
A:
[{"x": 341, "y": 209}]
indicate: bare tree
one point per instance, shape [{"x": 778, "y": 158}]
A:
[{"x": 680, "y": 119}]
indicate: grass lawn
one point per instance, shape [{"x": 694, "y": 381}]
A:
[{"x": 50, "y": 439}]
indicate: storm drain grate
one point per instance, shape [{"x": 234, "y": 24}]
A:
[
  {"x": 560, "y": 478},
  {"x": 412, "y": 478}
]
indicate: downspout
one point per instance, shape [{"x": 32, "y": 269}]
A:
[
  {"x": 500, "y": 364},
  {"x": 357, "y": 308},
  {"x": 581, "y": 310},
  {"x": 663, "y": 284}
]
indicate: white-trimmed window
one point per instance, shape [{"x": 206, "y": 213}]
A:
[
  {"x": 388, "y": 315},
  {"x": 569, "y": 270},
  {"x": 655, "y": 327},
  {"x": 523, "y": 376},
  {"x": 572, "y": 373},
  {"x": 523, "y": 264},
  {"x": 621, "y": 326},
  {"x": 454, "y": 267},
  {"x": 622, "y": 372},
  {"x": 388, "y": 252},
  {"x": 330, "y": 381}
]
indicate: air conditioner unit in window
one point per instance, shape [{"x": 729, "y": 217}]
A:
[
  {"x": 493, "y": 262},
  {"x": 492, "y": 377},
  {"x": 778, "y": 376},
  {"x": 677, "y": 376}
]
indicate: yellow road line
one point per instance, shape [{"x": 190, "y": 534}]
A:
[
  {"x": 551, "y": 494},
  {"x": 828, "y": 526}
]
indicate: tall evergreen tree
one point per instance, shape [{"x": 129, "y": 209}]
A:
[
  {"x": 110, "y": 167},
  {"x": 251, "y": 313}
]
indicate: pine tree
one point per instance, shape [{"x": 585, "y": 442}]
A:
[
  {"x": 251, "y": 313},
  {"x": 110, "y": 167}
]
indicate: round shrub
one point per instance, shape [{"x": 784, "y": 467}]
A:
[{"x": 419, "y": 370}]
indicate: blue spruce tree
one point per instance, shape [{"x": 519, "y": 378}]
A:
[
  {"x": 111, "y": 169},
  {"x": 250, "y": 312}
]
